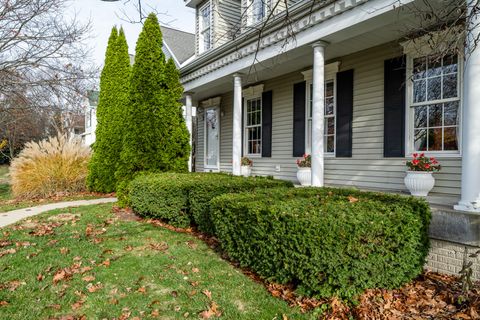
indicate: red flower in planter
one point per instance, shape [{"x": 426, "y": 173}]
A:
[{"x": 422, "y": 163}]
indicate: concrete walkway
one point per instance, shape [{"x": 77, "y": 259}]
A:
[{"x": 13, "y": 216}]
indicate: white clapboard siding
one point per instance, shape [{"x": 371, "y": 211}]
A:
[
  {"x": 367, "y": 168},
  {"x": 226, "y": 20}
]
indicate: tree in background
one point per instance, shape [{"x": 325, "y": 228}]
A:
[
  {"x": 113, "y": 100},
  {"x": 45, "y": 70},
  {"x": 156, "y": 138}
]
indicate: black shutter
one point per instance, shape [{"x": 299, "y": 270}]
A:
[
  {"x": 267, "y": 124},
  {"x": 344, "y": 114},
  {"x": 394, "y": 108},
  {"x": 299, "y": 101}
]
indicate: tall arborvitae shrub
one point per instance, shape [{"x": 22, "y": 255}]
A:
[
  {"x": 179, "y": 144},
  {"x": 155, "y": 138},
  {"x": 114, "y": 97}
]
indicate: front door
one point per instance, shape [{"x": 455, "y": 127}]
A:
[{"x": 212, "y": 141}]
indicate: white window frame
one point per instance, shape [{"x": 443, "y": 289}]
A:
[
  {"x": 251, "y": 18},
  {"x": 410, "y": 114},
  {"x": 202, "y": 30},
  {"x": 212, "y": 103},
  {"x": 331, "y": 70},
  {"x": 252, "y": 93}
]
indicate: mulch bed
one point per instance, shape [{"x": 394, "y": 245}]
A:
[{"x": 430, "y": 296}]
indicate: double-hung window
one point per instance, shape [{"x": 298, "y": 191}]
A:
[
  {"x": 256, "y": 11},
  {"x": 253, "y": 126},
  {"x": 435, "y": 104},
  {"x": 205, "y": 42},
  {"x": 329, "y": 124}
]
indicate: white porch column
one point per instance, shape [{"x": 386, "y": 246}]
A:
[
  {"x": 188, "y": 122},
  {"x": 237, "y": 124},
  {"x": 470, "y": 200},
  {"x": 318, "y": 112}
]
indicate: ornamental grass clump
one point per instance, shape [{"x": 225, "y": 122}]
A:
[{"x": 49, "y": 167}]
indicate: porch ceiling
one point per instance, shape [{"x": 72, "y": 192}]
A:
[{"x": 388, "y": 27}]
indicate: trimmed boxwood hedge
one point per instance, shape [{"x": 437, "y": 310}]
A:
[
  {"x": 330, "y": 242},
  {"x": 182, "y": 199}
]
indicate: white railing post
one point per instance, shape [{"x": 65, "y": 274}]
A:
[
  {"x": 470, "y": 200},
  {"x": 237, "y": 124},
  {"x": 188, "y": 122},
  {"x": 318, "y": 113}
]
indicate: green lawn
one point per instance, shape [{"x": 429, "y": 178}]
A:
[{"x": 86, "y": 261}]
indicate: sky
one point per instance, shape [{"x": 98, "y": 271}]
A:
[{"x": 104, "y": 15}]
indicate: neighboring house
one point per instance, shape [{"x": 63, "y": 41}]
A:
[
  {"x": 91, "y": 103},
  {"x": 178, "y": 45},
  {"x": 347, "y": 89}
]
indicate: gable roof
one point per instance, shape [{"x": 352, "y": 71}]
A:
[{"x": 181, "y": 44}]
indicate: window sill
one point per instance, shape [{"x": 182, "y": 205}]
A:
[
  {"x": 438, "y": 155},
  {"x": 257, "y": 156}
]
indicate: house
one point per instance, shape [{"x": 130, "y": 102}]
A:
[
  {"x": 178, "y": 45},
  {"x": 91, "y": 103},
  {"x": 342, "y": 81}
]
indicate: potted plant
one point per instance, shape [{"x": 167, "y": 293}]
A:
[
  {"x": 419, "y": 180},
  {"x": 246, "y": 167},
  {"x": 304, "y": 173}
]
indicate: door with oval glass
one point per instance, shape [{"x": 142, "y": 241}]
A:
[{"x": 212, "y": 139}]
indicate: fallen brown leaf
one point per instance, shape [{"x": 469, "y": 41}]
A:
[
  {"x": 88, "y": 278},
  {"x": 94, "y": 287},
  {"x": 207, "y": 293},
  {"x": 162, "y": 246},
  {"x": 352, "y": 199},
  {"x": 7, "y": 251},
  {"x": 106, "y": 263}
]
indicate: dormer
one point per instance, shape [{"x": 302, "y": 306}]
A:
[
  {"x": 217, "y": 22},
  {"x": 220, "y": 21}
]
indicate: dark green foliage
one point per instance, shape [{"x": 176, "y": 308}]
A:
[
  {"x": 113, "y": 100},
  {"x": 330, "y": 242},
  {"x": 182, "y": 199},
  {"x": 156, "y": 138}
]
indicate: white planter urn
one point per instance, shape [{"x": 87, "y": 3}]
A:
[
  {"x": 245, "y": 171},
  {"x": 419, "y": 183},
  {"x": 304, "y": 176}
]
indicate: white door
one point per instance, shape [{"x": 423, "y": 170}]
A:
[{"x": 212, "y": 141}]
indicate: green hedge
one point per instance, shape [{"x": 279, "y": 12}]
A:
[
  {"x": 330, "y": 242},
  {"x": 184, "y": 198}
]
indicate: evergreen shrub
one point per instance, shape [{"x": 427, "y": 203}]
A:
[
  {"x": 156, "y": 138},
  {"x": 182, "y": 199},
  {"x": 112, "y": 105},
  {"x": 329, "y": 242}
]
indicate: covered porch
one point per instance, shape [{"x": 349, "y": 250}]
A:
[{"x": 367, "y": 146}]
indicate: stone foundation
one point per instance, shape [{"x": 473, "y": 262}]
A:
[{"x": 447, "y": 257}]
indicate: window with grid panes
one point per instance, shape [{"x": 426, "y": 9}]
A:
[{"x": 435, "y": 103}]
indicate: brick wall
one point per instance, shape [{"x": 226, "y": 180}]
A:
[{"x": 447, "y": 257}]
